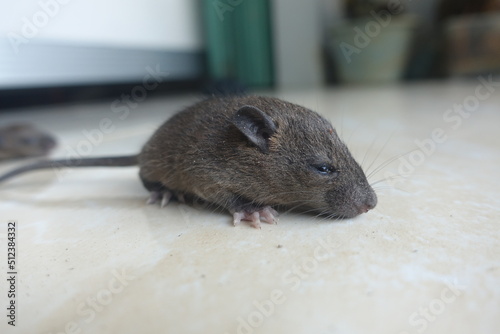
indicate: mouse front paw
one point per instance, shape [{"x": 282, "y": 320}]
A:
[{"x": 267, "y": 214}]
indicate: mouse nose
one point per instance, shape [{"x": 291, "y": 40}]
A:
[
  {"x": 364, "y": 208},
  {"x": 369, "y": 204}
]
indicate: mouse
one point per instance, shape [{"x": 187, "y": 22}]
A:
[
  {"x": 24, "y": 140},
  {"x": 249, "y": 155}
]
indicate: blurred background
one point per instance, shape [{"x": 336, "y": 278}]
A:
[{"x": 59, "y": 51}]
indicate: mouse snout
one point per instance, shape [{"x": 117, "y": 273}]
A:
[
  {"x": 351, "y": 203},
  {"x": 368, "y": 204}
]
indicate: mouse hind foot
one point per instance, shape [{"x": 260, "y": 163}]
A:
[
  {"x": 267, "y": 214},
  {"x": 157, "y": 192},
  {"x": 162, "y": 196}
]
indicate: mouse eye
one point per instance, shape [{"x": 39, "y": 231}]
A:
[{"x": 325, "y": 169}]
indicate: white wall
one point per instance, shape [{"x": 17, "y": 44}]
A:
[
  {"x": 159, "y": 24},
  {"x": 72, "y": 42},
  {"x": 298, "y": 28}
]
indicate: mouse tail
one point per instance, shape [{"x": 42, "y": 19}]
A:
[{"x": 120, "y": 161}]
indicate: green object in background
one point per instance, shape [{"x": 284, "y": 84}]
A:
[
  {"x": 382, "y": 58},
  {"x": 238, "y": 38}
]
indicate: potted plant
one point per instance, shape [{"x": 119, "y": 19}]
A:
[{"x": 373, "y": 44}]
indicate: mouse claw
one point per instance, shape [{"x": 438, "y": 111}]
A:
[
  {"x": 267, "y": 214},
  {"x": 237, "y": 217},
  {"x": 166, "y": 199},
  {"x": 253, "y": 218},
  {"x": 155, "y": 196}
]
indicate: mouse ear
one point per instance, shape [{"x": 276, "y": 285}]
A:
[{"x": 255, "y": 125}]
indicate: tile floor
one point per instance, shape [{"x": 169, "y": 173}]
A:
[{"x": 93, "y": 258}]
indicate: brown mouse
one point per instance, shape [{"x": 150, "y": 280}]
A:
[
  {"x": 24, "y": 140},
  {"x": 247, "y": 154}
]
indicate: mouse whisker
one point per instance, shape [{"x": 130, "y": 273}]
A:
[
  {"x": 298, "y": 192},
  {"x": 390, "y": 178},
  {"x": 368, "y": 150},
  {"x": 352, "y": 134},
  {"x": 295, "y": 207},
  {"x": 388, "y": 162},
  {"x": 381, "y": 189},
  {"x": 379, "y": 152},
  {"x": 388, "y": 187}
]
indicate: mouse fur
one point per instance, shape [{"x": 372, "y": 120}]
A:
[
  {"x": 24, "y": 140},
  {"x": 296, "y": 160},
  {"x": 250, "y": 154}
]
